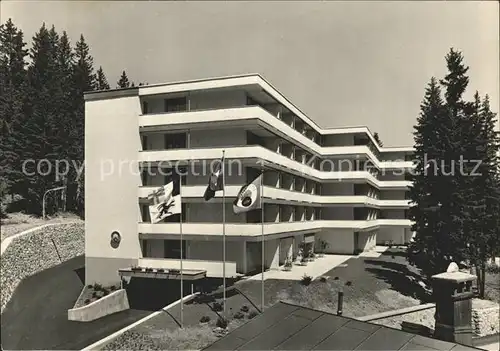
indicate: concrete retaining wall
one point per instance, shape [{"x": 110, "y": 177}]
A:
[
  {"x": 485, "y": 317},
  {"x": 36, "y": 251},
  {"x": 112, "y": 303}
]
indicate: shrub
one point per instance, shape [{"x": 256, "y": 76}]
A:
[
  {"x": 252, "y": 314},
  {"x": 105, "y": 292},
  {"x": 217, "y": 307},
  {"x": 239, "y": 315},
  {"x": 94, "y": 294},
  {"x": 348, "y": 283},
  {"x": 245, "y": 308},
  {"x": 87, "y": 301},
  {"x": 322, "y": 279},
  {"x": 492, "y": 268},
  {"x": 205, "y": 319},
  {"x": 89, "y": 286},
  {"x": 306, "y": 280},
  {"x": 97, "y": 287},
  {"x": 221, "y": 323},
  {"x": 336, "y": 278},
  {"x": 112, "y": 288}
]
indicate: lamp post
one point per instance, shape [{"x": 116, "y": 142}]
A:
[{"x": 45, "y": 194}]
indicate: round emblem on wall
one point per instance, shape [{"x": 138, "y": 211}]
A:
[{"x": 115, "y": 239}]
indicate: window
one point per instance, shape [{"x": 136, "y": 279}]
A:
[
  {"x": 145, "y": 213},
  {"x": 317, "y": 214},
  {"x": 170, "y": 173},
  {"x": 360, "y": 214},
  {"x": 318, "y": 189},
  {"x": 172, "y": 249},
  {"x": 176, "y": 104},
  {"x": 175, "y": 141},
  {"x": 251, "y": 101},
  {"x": 144, "y": 140},
  {"x": 145, "y": 108},
  {"x": 144, "y": 248},
  {"x": 144, "y": 177}
]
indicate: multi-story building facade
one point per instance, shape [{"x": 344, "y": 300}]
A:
[{"x": 333, "y": 185}]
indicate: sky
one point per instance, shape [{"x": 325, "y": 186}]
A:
[{"x": 342, "y": 63}]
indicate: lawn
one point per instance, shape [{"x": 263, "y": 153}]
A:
[
  {"x": 18, "y": 222},
  {"x": 370, "y": 285},
  {"x": 365, "y": 282}
]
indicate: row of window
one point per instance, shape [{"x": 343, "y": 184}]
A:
[{"x": 180, "y": 104}]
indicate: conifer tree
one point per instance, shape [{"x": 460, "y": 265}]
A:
[
  {"x": 123, "y": 82},
  {"x": 454, "y": 203},
  {"x": 37, "y": 137},
  {"x": 101, "y": 81},
  {"x": 84, "y": 80},
  {"x": 377, "y": 139},
  {"x": 12, "y": 98},
  {"x": 428, "y": 251}
]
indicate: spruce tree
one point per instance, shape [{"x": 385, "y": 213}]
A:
[
  {"x": 84, "y": 80},
  {"x": 428, "y": 251},
  {"x": 37, "y": 134},
  {"x": 101, "y": 81},
  {"x": 454, "y": 203},
  {"x": 483, "y": 195},
  {"x": 12, "y": 101},
  {"x": 123, "y": 82}
]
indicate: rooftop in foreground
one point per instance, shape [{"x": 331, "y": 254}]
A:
[{"x": 290, "y": 327}]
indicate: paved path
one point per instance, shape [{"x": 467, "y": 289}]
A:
[
  {"x": 318, "y": 267},
  {"x": 36, "y": 317}
]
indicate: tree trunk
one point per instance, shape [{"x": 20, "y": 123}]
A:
[
  {"x": 479, "y": 283},
  {"x": 483, "y": 281}
]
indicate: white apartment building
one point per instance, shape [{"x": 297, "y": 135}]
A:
[{"x": 311, "y": 192}]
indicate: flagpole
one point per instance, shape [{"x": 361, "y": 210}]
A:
[
  {"x": 224, "y": 230},
  {"x": 182, "y": 277},
  {"x": 262, "y": 227}
]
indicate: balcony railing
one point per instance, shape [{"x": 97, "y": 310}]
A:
[{"x": 243, "y": 115}]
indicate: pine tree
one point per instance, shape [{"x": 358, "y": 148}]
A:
[
  {"x": 377, "y": 139},
  {"x": 101, "y": 81},
  {"x": 123, "y": 82}
]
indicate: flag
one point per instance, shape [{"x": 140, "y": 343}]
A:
[
  {"x": 215, "y": 181},
  {"x": 165, "y": 201},
  {"x": 249, "y": 197}
]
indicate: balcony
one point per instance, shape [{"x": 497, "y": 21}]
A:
[
  {"x": 253, "y": 231},
  {"x": 249, "y": 116},
  {"x": 254, "y": 156},
  {"x": 273, "y": 195}
]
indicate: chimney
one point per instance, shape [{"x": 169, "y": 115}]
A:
[{"x": 452, "y": 292}]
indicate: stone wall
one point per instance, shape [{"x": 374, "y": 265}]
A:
[
  {"x": 36, "y": 251},
  {"x": 485, "y": 317}
]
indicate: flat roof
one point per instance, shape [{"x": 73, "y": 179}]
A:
[
  {"x": 289, "y": 327},
  {"x": 173, "y": 274}
]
